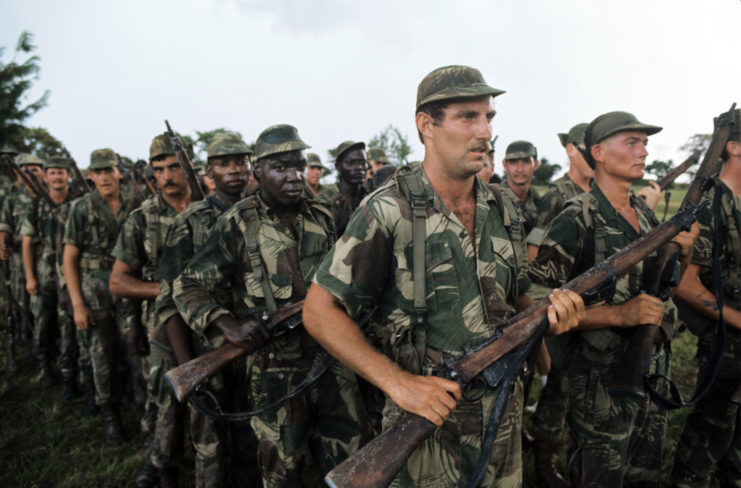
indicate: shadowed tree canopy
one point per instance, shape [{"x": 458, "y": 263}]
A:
[
  {"x": 394, "y": 142},
  {"x": 697, "y": 142},
  {"x": 658, "y": 169},
  {"x": 16, "y": 77},
  {"x": 544, "y": 173},
  {"x": 38, "y": 141}
]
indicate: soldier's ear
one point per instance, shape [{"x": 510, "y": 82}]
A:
[
  {"x": 257, "y": 170},
  {"x": 425, "y": 123}
]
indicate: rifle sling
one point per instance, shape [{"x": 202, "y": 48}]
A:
[{"x": 253, "y": 253}]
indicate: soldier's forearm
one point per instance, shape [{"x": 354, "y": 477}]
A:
[
  {"x": 124, "y": 285},
  {"x": 28, "y": 258},
  {"x": 70, "y": 261}
]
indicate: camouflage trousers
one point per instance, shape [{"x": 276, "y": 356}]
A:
[
  {"x": 711, "y": 439},
  {"x": 24, "y": 326},
  {"x": 323, "y": 421},
  {"x": 448, "y": 457},
  {"x": 167, "y": 442},
  {"x": 615, "y": 441},
  {"x": 99, "y": 345},
  {"x": 553, "y": 403},
  {"x": 43, "y": 306},
  {"x": 68, "y": 350}
]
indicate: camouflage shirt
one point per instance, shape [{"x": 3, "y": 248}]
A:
[
  {"x": 342, "y": 205},
  {"x": 470, "y": 287},
  {"x": 185, "y": 237},
  {"x": 529, "y": 209},
  {"x": 93, "y": 229},
  {"x": 568, "y": 250},
  {"x": 551, "y": 204},
  {"x": 140, "y": 245},
  {"x": 12, "y": 212},
  {"x": 41, "y": 224},
  {"x": 289, "y": 260}
]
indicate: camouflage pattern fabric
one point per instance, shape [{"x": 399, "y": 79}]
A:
[
  {"x": 92, "y": 228},
  {"x": 329, "y": 418},
  {"x": 614, "y": 441},
  {"x": 470, "y": 291},
  {"x": 550, "y": 205},
  {"x": 529, "y": 209},
  {"x": 68, "y": 348},
  {"x": 711, "y": 440},
  {"x": 342, "y": 205}
]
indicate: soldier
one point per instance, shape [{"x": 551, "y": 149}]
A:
[
  {"x": 520, "y": 162},
  {"x": 92, "y": 227},
  {"x": 314, "y": 172},
  {"x": 15, "y": 205},
  {"x": 228, "y": 167},
  {"x": 615, "y": 441},
  {"x": 377, "y": 159},
  {"x": 265, "y": 250},
  {"x": 711, "y": 442},
  {"x": 39, "y": 263},
  {"x": 135, "y": 276},
  {"x": 487, "y": 172},
  {"x": 475, "y": 270},
  {"x": 344, "y": 196}
]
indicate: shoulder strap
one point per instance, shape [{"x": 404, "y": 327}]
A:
[
  {"x": 253, "y": 253},
  {"x": 152, "y": 221},
  {"x": 514, "y": 225}
]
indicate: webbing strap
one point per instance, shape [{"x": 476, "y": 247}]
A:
[{"x": 253, "y": 253}]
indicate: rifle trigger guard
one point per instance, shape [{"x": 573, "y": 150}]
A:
[{"x": 478, "y": 382}]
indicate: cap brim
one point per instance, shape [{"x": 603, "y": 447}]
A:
[
  {"x": 562, "y": 138},
  {"x": 473, "y": 91},
  {"x": 648, "y": 129},
  {"x": 285, "y": 147},
  {"x": 518, "y": 155}
]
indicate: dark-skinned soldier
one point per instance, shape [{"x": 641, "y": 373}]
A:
[{"x": 344, "y": 196}]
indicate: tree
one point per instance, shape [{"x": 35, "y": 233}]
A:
[
  {"x": 394, "y": 142},
  {"x": 659, "y": 169},
  {"x": 38, "y": 141},
  {"x": 15, "y": 80},
  {"x": 698, "y": 142},
  {"x": 544, "y": 172}
]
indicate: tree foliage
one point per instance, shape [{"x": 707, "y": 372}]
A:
[
  {"x": 697, "y": 142},
  {"x": 658, "y": 169},
  {"x": 16, "y": 78},
  {"x": 394, "y": 142},
  {"x": 38, "y": 141},
  {"x": 544, "y": 172}
]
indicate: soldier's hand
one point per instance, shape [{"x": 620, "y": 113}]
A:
[
  {"x": 32, "y": 286},
  {"x": 427, "y": 396},
  {"x": 137, "y": 341},
  {"x": 83, "y": 317},
  {"x": 247, "y": 334},
  {"x": 686, "y": 240},
  {"x": 565, "y": 311},
  {"x": 652, "y": 194},
  {"x": 642, "y": 309}
]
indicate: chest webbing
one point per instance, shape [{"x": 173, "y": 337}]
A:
[{"x": 253, "y": 254}]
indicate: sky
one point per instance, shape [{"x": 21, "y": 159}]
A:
[{"x": 341, "y": 69}]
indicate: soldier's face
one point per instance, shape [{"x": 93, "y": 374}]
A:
[
  {"x": 169, "y": 176},
  {"x": 352, "y": 167},
  {"x": 577, "y": 160},
  {"x": 229, "y": 173},
  {"x": 520, "y": 171},
  {"x": 282, "y": 177},
  {"x": 622, "y": 155},
  {"x": 487, "y": 170},
  {"x": 105, "y": 180},
  {"x": 37, "y": 170},
  {"x": 458, "y": 144},
  {"x": 57, "y": 178},
  {"x": 313, "y": 175}
]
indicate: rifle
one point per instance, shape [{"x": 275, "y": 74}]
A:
[
  {"x": 630, "y": 378},
  {"x": 140, "y": 178},
  {"x": 29, "y": 179},
  {"x": 186, "y": 377},
  {"x": 377, "y": 463},
  {"x": 81, "y": 181},
  {"x": 196, "y": 193},
  {"x": 672, "y": 175}
]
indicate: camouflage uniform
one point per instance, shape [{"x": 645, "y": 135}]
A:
[
  {"x": 529, "y": 209},
  {"x": 615, "y": 441},
  {"x": 68, "y": 349},
  {"x": 93, "y": 229},
  {"x": 470, "y": 293},
  {"x": 327, "y": 412},
  {"x": 711, "y": 439},
  {"x": 341, "y": 204}
]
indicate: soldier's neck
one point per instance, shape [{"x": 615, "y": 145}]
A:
[
  {"x": 730, "y": 175},
  {"x": 578, "y": 178},
  {"x": 616, "y": 190},
  {"x": 520, "y": 190},
  {"x": 112, "y": 200},
  {"x": 58, "y": 196},
  {"x": 228, "y": 198},
  {"x": 348, "y": 188},
  {"x": 179, "y": 202}
]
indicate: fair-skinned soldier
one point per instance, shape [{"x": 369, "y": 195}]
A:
[
  {"x": 344, "y": 196},
  {"x": 92, "y": 227},
  {"x": 291, "y": 234},
  {"x": 710, "y": 445},
  {"x": 135, "y": 276},
  {"x": 314, "y": 172},
  {"x": 228, "y": 166},
  {"x": 615, "y": 441},
  {"x": 468, "y": 299},
  {"x": 520, "y": 162},
  {"x": 39, "y": 264}
]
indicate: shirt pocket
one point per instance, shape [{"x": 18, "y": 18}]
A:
[
  {"x": 506, "y": 265},
  {"x": 280, "y": 284},
  {"x": 441, "y": 276}
]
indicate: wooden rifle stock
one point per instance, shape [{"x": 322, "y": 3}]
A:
[
  {"x": 196, "y": 193},
  {"x": 629, "y": 379},
  {"x": 186, "y": 377}
]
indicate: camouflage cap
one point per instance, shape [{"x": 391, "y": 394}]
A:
[
  {"x": 25, "y": 159},
  {"x": 520, "y": 150},
  {"x": 278, "y": 139},
  {"x": 57, "y": 162},
  {"x": 610, "y": 124},
  {"x": 199, "y": 167},
  {"x": 102, "y": 159},
  {"x": 574, "y": 136},
  {"x": 314, "y": 160},
  {"x": 378, "y": 155},
  {"x": 8, "y": 149},
  {"x": 453, "y": 82},
  {"x": 162, "y": 146},
  {"x": 346, "y": 147},
  {"x": 735, "y": 133},
  {"x": 227, "y": 143}
]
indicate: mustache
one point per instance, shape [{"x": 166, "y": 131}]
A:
[{"x": 478, "y": 147}]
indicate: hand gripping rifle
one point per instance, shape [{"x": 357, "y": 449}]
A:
[
  {"x": 196, "y": 193},
  {"x": 631, "y": 377},
  {"x": 378, "y": 462}
]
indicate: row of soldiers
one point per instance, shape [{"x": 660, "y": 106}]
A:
[{"x": 154, "y": 284}]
